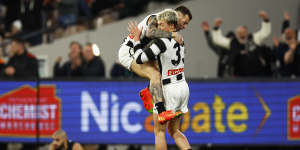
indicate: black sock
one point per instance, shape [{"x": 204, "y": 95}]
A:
[
  {"x": 160, "y": 106},
  {"x": 189, "y": 149}
]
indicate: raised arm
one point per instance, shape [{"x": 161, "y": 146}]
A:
[
  {"x": 265, "y": 30},
  {"x": 156, "y": 47},
  {"x": 208, "y": 37},
  {"x": 218, "y": 38},
  {"x": 286, "y": 22}
]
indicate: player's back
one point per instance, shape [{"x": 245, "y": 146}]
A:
[{"x": 171, "y": 61}]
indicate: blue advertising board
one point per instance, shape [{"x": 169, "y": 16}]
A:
[{"x": 111, "y": 112}]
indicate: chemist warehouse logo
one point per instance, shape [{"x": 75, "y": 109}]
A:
[
  {"x": 19, "y": 112},
  {"x": 294, "y": 118}
]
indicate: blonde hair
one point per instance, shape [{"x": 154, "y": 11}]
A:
[{"x": 168, "y": 15}]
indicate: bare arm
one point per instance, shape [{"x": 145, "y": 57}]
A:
[{"x": 152, "y": 31}]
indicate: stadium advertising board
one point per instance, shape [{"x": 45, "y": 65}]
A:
[{"x": 111, "y": 112}]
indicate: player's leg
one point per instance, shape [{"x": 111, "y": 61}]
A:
[
  {"x": 126, "y": 59},
  {"x": 159, "y": 133},
  {"x": 149, "y": 71},
  {"x": 146, "y": 70},
  {"x": 179, "y": 138},
  {"x": 177, "y": 95},
  {"x": 145, "y": 93}
]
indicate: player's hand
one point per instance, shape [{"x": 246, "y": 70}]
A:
[
  {"x": 134, "y": 31},
  {"x": 218, "y": 22},
  {"x": 286, "y": 16},
  {"x": 275, "y": 41},
  {"x": 263, "y": 15},
  {"x": 205, "y": 26},
  {"x": 177, "y": 37}
]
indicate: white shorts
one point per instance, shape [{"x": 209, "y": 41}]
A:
[
  {"x": 176, "y": 96},
  {"x": 126, "y": 55}
]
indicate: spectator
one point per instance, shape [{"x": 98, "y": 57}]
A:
[
  {"x": 60, "y": 141},
  {"x": 223, "y": 65},
  {"x": 247, "y": 53},
  {"x": 94, "y": 65},
  {"x": 286, "y": 25},
  {"x": 73, "y": 67},
  {"x": 286, "y": 49},
  {"x": 119, "y": 71},
  {"x": 22, "y": 63},
  {"x": 288, "y": 54}
]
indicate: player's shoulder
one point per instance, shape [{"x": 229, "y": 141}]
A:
[{"x": 162, "y": 43}]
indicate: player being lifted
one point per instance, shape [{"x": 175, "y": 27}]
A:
[
  {"x": 170, "y": 56},
  {"x": 149, "y": 70}
]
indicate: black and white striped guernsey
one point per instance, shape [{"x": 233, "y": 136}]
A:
[{"x": 169, "y": 53}]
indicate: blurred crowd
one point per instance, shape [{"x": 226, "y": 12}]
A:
[
  {"x": 240, "y": 53},
  {"x": 26, "y": 23},
  {"x": 244, "y": 54},
  {"x": 38, "y": 21},
  {"x": 83, "y": 61}
]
